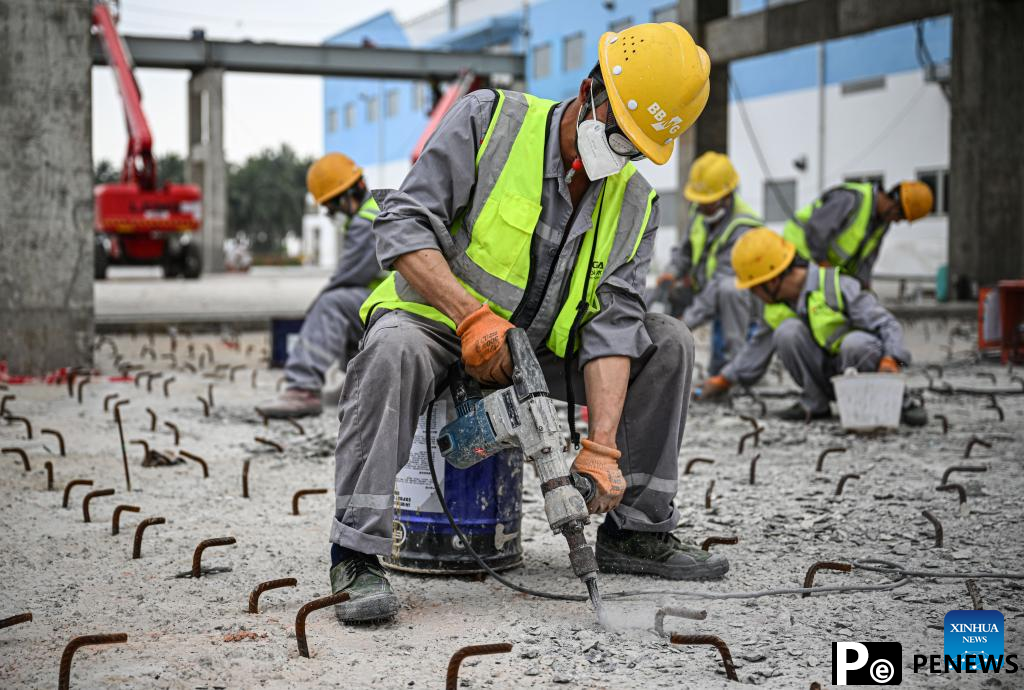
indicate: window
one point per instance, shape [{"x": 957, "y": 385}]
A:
[
  {"x": 350, "y": 115},
  {"x": 877, "y": 179},
  {"x": 332, "y": 120},
  {"x": 861, "y": 85},
  {"x": 779, "y": 200},
  {"x": 620, "y": 24},
  {"x": 541, "y": 61},
  {"x": 391, "y": 103},
  {"x": 572, "y": 52},
  {"x": 938, "y": 180},
  {"x": 665, "y": 14},
  {"x": 371, "y": 109},
  {"x": 419, "y": 97}
]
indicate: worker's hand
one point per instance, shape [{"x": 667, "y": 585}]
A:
[
  {"x": 601, "y": 463},
  {"x": 667, "y": 279},
  {"x": 484, "y": 352},
  {"x": 888, "y": 365},
  {"x": 712, "y": 388}
]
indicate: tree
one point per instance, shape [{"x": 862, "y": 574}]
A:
[
  {"x": 105, "y": 173},
  {"x": 266, "y": 195},
  {"x": 169, "y": 168}
]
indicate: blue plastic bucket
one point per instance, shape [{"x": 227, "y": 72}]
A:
[{"x": 486, "y": 501}]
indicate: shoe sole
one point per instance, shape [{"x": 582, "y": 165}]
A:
[
  {"x": 368, "y": 609},
  {"x": 279, "y": 414},
  {"x": 612, "y": 563}
]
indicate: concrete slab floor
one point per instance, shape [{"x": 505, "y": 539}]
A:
[{"x": 78, "y": 579}]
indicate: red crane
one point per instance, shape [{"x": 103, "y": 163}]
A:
[{"x": 136, "y": 221}]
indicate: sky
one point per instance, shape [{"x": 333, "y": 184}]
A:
[{"x": 261, "y": 111}]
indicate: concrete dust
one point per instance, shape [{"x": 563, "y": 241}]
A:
[{"x": 77, "y": 579}]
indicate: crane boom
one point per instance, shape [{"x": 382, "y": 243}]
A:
[{"x": 139, "y": 166}]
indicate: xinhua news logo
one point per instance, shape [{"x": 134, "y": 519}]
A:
[
  {"x": 973, "y": 642},
  {"x": 867, "y": 663}
]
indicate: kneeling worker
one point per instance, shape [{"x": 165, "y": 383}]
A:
[
  {"x": 846, "y": 225},
  {"x": 720, "y": 218},
  {"x": 819, "y": 321},
  {"x": 332, "y": 325},
  {"x": 524, "y": 212}
]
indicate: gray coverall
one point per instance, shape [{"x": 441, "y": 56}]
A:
[
  {"x": 720, "y": 298},
  {"x": 877, "y": 333},
  {"x": 332, "y": 324},
  {"x": 829, "y": 220},
  {"x": 403, "y": 359}
]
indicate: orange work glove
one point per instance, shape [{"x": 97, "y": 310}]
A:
[
  {"x": 888, "y": 365},
  {"x": 667, "y": 278},
  {"x": 601, "y": 464},
  {"x": 714, "y": 387},
  {"x": 483, "y": 346}
]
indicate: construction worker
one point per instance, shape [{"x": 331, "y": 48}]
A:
[
  {"x": 846, "y": 225},
  {"x": 821, "y": 323},
  {"x": 527, "y": 212},
  {"x": 332, "y": 326},
  {"x": 719, "y": 218}
]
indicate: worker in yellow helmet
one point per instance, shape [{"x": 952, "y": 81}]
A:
[
  {"x": 820, "y": 321},
  {"x": 846, "y": 225},
  {"x": 332, "y": 327},
  {"x": 718, "y": 219},
  {"x": 525, "y": 212}
]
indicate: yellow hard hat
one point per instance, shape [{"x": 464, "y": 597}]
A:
[
  {"x": 657, "y": 83},
  {"x": 331, "y": 175},
  {"x": 760, "y": 255},
  {"x": 916, "y": 199},
  {"x": 711, "y": 178}
]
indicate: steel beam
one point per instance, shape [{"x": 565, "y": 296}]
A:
[
  {"x": 786, "y": 26},
  {"x": 312, "y": 59}
]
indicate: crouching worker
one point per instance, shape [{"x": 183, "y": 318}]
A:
[
  {"x": 332, "y": 324},
  {"x": 523, "y": 212},
  {"x": 819, "y": 321}
]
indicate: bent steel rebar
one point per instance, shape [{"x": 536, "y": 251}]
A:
[
  {"x": 451, "y": 679},
  {"x": 993, "y": 405},
  {"x": 958, "y": 488},
  {"x": 936, "y": 524},
  {"x": 206, "y": 405},
  {"x": 88, "y": 499},
  {"x": 115, "y": 521},
  {"x": 245, "y": 479},
  {"x": 694, "y": 461},
  {"x": 23, "y": 420},
  {"x": 177, "y": 432},
  {"x": 822, "y": 565},
  {"x": 961, "y": 468},
  {"x": 975, "y": 441},
  {"x": 64, "y": 679},
  {"x": 677, "y": 612},
  {"x": 167, "y": 385},
  {"x": 707, "y": 495},
  {"x": 197, "y": 555},
  {"x": 303, "y": 492},
  {"x": 298, "y": 427},
  {"x": 152, "y": 418},
  {"x": 48, "y": 466},
  {"x": 945, "y": 423},
  {"x": 196, "y": 458},
  {"x": 842, "y": 482},
  {"x": 234, "y": 370},
  {"x": 139, "y": 529},
  {"x": 753, "y": 468},
  {"x": 755, "y": 434},
  {"x": 3, "y": 403},
  {"x": 16, "y": 620},
  {"x": 828, "y": 451},
  {"x": 714, "y": 641},
  {"x": 124, "y": 449},
  {"x": 267, "y": 442},
  {"x": 144, "y": 444},
  {"x": 725, "y": 541},
  {"x": 82, "y": 384},
  {"x": 72, "y": 484},
  {"x": 20, "y": 452},
  {"x": 315, "y": 605},
  {"x": 254, "y": 596},
  {"x": 60, "y": 440},
  {"x": 107, "y": 399}
]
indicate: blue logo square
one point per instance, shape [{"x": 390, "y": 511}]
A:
[{"x": 979, "y": 633}]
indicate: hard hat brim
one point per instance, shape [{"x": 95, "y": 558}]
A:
[
  {"x": 690, "y": 194},
  {"x": 754, "y": 282},
  {"x": 340, "y": 187}
]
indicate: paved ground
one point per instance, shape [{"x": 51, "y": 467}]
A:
[{"x": 77, "y": 579}]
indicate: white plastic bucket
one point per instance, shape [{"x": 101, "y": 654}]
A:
[{"x": 869, "y": 400}]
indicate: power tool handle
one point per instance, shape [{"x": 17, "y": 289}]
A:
[
  {"x": 584, "y": 484},
  {"x": 527, "y": 376}
]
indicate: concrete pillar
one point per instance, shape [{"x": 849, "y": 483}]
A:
[
  {"x": 46, "y": 207},
  {"x": 206, "y": 165},
  {"x": 986, "y": 205},
  {"x": 711, "y": 133}
]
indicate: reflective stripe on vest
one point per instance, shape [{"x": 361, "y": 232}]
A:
[
  {"x": 369, "y": 211},
  {"x": 743, "y": 216},
  {"x": 853, "y": 243},
  {"x": 826, "y": 313},
  {"x": 488, "y": 248}
]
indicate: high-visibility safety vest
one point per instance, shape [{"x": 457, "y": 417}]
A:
[
  {"x": 826, "y": 313},
  {"x": 742, "y": 216},
  {"x": 857, "y": 239},
  {"x": 488, "y": 246},
  {"x": 369, "y": 211}
]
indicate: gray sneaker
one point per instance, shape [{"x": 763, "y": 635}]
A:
[
  {"x": 371, "y": 597},
  {"x": 294, "y": 402},
  {"x": 656, "y": 553}
]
